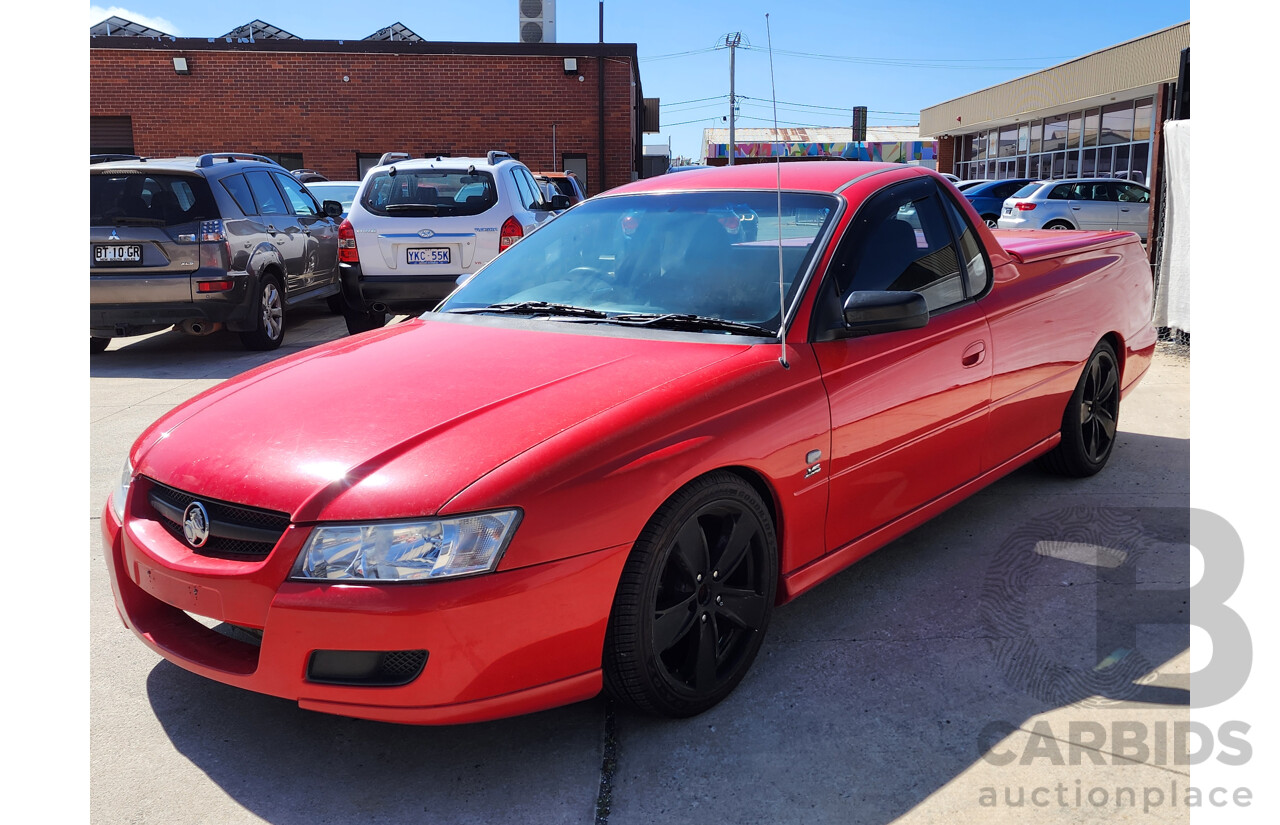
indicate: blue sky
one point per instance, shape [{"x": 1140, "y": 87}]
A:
[{"x": 892, "y": 57}]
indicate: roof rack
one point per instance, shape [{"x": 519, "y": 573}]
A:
[
  {"x": 494, "y": 156},
  {"x": 206, "y": 160},
  {"x": 391, "y": 157}
]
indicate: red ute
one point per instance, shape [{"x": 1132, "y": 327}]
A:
[{"x": 599, "y": 464}]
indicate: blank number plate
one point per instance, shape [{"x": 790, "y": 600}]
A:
[
  {"x": 432, "y": 255},
  {"x": 117, "y": 253}
]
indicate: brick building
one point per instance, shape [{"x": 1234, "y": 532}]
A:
[{"x": 335, "y": 106}]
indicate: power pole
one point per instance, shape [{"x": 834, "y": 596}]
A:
[{"x": 732, "y": 41}]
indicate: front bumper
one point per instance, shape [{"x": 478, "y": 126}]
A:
[{"x": 500, "y": 644}]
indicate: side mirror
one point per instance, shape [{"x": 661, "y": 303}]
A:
[
  {"x": 868, "y": 313},
  {"x": 333, "y": 209},
  {"x": 558, "y": 202}
]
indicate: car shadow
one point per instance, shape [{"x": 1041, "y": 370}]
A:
[
  {"x": 172, "y": 354},
  {"x": 871, "y": 693}
]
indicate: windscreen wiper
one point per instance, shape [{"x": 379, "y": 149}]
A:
[
  {"x": 693, "y": 322},
  {"x": 535, "y": 308}
]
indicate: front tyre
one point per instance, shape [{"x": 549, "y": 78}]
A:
[
  {"x": 98, "y": 344},
  {"x": 270, "y": 331},
  {"x": 1090, "y": 421},
  {"x": 694, "y": 599}
]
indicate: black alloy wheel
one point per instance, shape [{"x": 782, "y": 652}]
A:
[
  {"x": 1091, "y": 418},
  {"x": 694, "y": 599}
]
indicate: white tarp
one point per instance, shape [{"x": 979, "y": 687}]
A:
[{"x": 1173, "y": 292}]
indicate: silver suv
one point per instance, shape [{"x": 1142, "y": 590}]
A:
[
  {"x": 220, "y": 240},
  {"x": 419, "y": 226},
  {"x": 1083, "y": 203}
]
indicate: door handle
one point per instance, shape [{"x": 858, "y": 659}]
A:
[
  {"x": 1124, "y": 209},
  {"x": 1076, "y": 208},
  {"x": 974, "y": 354}
]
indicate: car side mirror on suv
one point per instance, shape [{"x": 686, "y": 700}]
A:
[{"x": 332, "y": 209}]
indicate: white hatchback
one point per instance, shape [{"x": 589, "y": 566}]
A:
[{"x": 419, "y": 226}]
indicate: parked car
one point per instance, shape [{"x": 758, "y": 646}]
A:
[
  {"x": 308, "y": 175},
  {"x": 220, "y": 240},
  {"x": 342, "y": 191},
  {"x": 565, "y": 183},
  {"x": 988, "y": 197},
  {"x": 607, "y": 457},
  {"x": 950, "y": 177},
  {"x": 418, "y": 226},
  {"x": 965, "y": 184},
  {"x": 1085, "y": 203},
  {"x": 687, "y": 168}
]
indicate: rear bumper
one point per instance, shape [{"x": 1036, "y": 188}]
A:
[
  {"x": 400, "y": 294},
  {"x": 121, "y": 305},
  {"x": 497, "y": 645}
]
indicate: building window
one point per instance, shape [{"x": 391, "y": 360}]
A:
[
  {"x": 110, "y": 135},
  {"x": 289, "y": 160}
]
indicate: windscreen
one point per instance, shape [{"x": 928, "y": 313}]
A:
[
  {"x": 149, "y": 199},
  {"x": 429, "y": 192},
  {"x": 711, "y": 254}
]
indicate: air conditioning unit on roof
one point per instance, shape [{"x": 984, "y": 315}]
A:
[{"x": 537, "y": 21}]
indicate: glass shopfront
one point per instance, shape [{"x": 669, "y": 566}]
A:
[{"x": 1107, "y": 141}]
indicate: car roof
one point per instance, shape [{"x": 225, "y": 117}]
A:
[
  {"x": 445, "y": 162},
  {"x": 814, "y": 176},
  {"x": 208, "y": 163}
]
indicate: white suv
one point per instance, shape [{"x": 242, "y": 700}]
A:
[{"x": 420, "y": 225}]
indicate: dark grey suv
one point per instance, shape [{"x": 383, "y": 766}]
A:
[{"x": 220, "y": 240}]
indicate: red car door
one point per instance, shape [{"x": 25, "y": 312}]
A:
[{"x": 908, "y": 407}]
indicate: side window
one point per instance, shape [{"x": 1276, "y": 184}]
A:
[
  {"x": 270, "y": 201},
  {"x": 1129, "y": 193},
  {"x": 527, "y": 187},
  {"x": 977, "y": 270},
  {"x": 299, "y": 198},
  {"x": 1061, "y": 192},
  {"x": 1005, "y": 190},
  {"x": 1094, "y": 192},
  {"x": 900, "y": 240},
  {"x": 239, "y": 191}
]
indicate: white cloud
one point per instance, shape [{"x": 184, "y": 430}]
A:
[{"x": 99, "y": 13}]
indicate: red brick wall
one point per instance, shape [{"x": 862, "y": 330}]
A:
[{"x": 260, "y": 101}]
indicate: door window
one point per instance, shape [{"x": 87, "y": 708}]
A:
[
  {"x": 268, "y": 197},
  {"x": 299, "y": 198},
  {"x": 900, "y": 241}
]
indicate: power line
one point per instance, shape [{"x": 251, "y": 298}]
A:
[{"x": 918, "y": 63}]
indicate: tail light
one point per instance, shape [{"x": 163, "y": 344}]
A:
[
  {"x": 730, "y": 223},
  {"x": 1023, "y": 206},
  {"x": 215, "y": 250},
  {"x": 347, "y": 252},
  {"x": 511, "y": 232}
]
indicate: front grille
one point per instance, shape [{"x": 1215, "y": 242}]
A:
[{"x": 266, "y": 526}]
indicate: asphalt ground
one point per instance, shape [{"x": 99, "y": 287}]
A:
[{"x": 1022, "y": 658}]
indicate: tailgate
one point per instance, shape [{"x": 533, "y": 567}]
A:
[
  {"x": 132, "y": 265},
  {"x": 427, "y": 252}
]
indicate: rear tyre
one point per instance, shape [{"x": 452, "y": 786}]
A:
[
  {"x": 1089, "y": 423},
  {"x": 694, "y": 599},
  {"x": 1058, "y": 225},
  {"x": 98, "y": 344},
  {"x": 270, "y": 331},
  {"x": 358, "y": 322}
]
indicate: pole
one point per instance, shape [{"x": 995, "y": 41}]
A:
[{"x": 732, "y": 41}]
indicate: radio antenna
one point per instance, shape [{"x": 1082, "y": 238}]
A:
[{"x": 782, "y": 293}]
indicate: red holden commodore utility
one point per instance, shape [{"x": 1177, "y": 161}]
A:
[{"x": 606, "y": 459}]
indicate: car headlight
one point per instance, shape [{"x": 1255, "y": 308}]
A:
[
  {"x": 434, "y": 548},
  {"x": 121, "y": 492}
]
